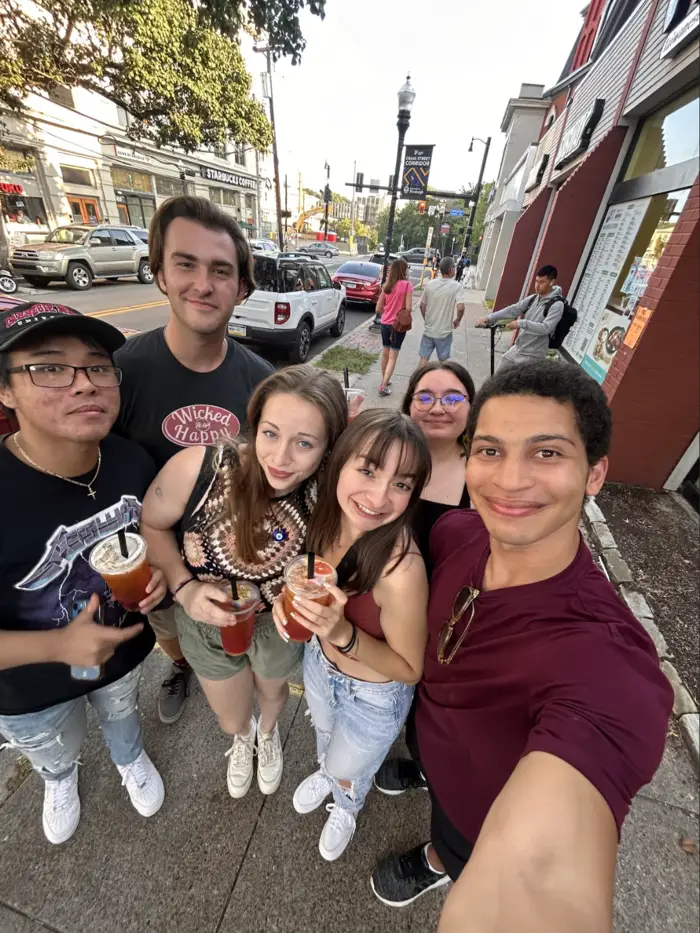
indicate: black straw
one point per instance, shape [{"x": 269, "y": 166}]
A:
[
  {"x": 234, "y": 589},
  {"x": 123, "y": 546},
  {"x": 310, "y": 565},
  {"x": 346, "y": 378}
]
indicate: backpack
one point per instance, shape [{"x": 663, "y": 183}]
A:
[{"x": 566, "y": 321}]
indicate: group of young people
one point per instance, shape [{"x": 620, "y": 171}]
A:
[{"x": 466, "y": 606}]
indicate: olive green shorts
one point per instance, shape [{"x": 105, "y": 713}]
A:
[{"x": 269, "y": 656}]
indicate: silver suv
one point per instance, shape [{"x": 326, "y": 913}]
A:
[{"x": 79, "y": 253}]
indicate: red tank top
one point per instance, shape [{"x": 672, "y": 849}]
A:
[{"x": 363, "y": 612}]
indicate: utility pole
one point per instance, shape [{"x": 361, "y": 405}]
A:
[
  {"x": 327, "y": 198},
  {"x": 352, "y": 211},
  {"x": 477, "y": 192},
  {"x": 286, "y": 211},
  {"x": 275, "y": 158}
]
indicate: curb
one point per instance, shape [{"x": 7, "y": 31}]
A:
[{"x": 620, "y": 576}]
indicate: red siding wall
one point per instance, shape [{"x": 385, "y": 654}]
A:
[
  {"x": 522, "y": 244},
  {"x": 654, "y": 388},
  {"x": 575, "y": 207}
]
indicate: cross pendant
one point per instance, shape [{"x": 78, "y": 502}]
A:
[{"x": 91, "y": 493}]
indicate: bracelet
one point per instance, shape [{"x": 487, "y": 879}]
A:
[
  {"x": 182, "y": 585},
  {"x": 351, "y": 644}
]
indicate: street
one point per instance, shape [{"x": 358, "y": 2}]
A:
[{"x": 134, "y": 307}]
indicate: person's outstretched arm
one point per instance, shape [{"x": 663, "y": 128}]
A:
[{"x": 544, "y": 861}]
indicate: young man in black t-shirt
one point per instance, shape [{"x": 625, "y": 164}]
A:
[
  {"x": 189, "y": 383},
  {"x": 72, "y": 485}
]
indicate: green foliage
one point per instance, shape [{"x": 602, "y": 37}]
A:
[
  {"x": 480, "y": 217},
  {"x": 174, "y": 65},
  {"x": 343, "y": 227},
  {"x": 339, "y": 357},
  {"x": 313, "y": 194}
]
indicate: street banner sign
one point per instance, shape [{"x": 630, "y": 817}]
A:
[
  {"x": 456, "y": 212},
  {"x": 416, "y": 171}
]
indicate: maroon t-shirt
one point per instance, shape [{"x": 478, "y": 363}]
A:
[{"x": 561, "y": 666}]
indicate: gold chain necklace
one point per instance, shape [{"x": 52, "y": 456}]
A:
[{"x": 76, "y": 482}]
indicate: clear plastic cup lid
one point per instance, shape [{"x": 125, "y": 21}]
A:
[{"x": 106, "y": 557}]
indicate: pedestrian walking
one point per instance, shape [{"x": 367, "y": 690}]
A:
[
  {"x": 442, "y": 312},
  {"x": 242, "y": 512},
  {"x": 188, "y": 383},
  {"x": 534, "y": 319},
  {"x": 73, "y": 485},
  {"x": 394, "y": 308},
  {"x": 461, "y": 264},
  {"x": 367, "y": 646},
  {"x": 535, "y": 773},
  {"x": 438, "y": 399}
]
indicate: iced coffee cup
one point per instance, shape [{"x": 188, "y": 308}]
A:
[
  {"x": 236, "y": 639},
  {"x": 298, "y": 583},
  {"x": 127, "y": 577}
]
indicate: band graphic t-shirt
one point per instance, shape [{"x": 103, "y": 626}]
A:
[
  {"x": 48, "y": 530},
  {"x": 166, "y": 406}
]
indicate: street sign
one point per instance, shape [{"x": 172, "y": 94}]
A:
[
  {"x": 416, "y": 171},
  {"x": 456, "y": 212},
  {"x": 429, "y": 238},
  {"x": 432, "y": 209},
  {"x": 444, "y": 228}
]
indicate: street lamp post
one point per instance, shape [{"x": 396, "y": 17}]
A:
[
  {"x": 477, "y": 192},
  {"x": 406, "y": 97}
]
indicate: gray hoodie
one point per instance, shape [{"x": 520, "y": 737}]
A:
[{"x": 534, "y": 330}]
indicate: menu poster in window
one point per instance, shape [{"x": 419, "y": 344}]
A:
[
  {"x": 612, "y": 247},
  {"x": 609, "y": 336}
]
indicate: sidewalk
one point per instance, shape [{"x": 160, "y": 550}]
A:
[{"x": 208, "y": 864}]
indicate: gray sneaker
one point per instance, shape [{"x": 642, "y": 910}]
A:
[{"x": 173, "y": 692}]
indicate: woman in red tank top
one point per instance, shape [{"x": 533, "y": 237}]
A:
[{"x": 367, "y": 651}]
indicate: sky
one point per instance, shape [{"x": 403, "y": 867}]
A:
[{"x": 465, "y": 58}]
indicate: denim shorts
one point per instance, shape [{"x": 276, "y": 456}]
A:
[
  {"x": 390, "y": 339},
  {"x": 443, "y": 346},
  {"x": 268, "y": 656}
]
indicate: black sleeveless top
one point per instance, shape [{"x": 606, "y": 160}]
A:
[{"x": 427, "y": 514}]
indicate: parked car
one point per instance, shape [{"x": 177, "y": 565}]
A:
[
  {"x": 379, "y": 257},
  {"x": 264, "y": 246},
  {"x": 417, "y": 254},
  {"x": 320, "y": 248},
  {"x": 296, "y": 255},
  {"x": 293, "y": 302},
  {"x": 79, "y": 253},
  {"x": 362, "y": 280}
]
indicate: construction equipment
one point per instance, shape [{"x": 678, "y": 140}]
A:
[{"x": 304, "y": 216}]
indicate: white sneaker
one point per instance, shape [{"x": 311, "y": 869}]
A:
[
  {"x": 144, "y": 784},
  {"x": 61, "y": 808},
  {"x": 311, "y": 793},
  {"x": 337, "y": 833},
  {"x": 269, "y": 760},
  {"x": 239, "y": 773}
]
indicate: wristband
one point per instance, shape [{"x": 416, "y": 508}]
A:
[
  {"x": 182, "y": 585},
  {"x": 346, "y": 649}
]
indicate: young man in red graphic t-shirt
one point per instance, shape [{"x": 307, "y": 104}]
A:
[
  {"x": 189, "y": 383},
  {"x": 542, "y": 709}
]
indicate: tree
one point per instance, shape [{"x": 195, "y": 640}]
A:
[
  {"x": 174, "y": 65},
  {"x": 480, "y": 218}
]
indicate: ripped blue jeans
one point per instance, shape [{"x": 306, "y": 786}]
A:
[
  {"x": 356, "y": 724},
  {"x": 52, "y": 738}
]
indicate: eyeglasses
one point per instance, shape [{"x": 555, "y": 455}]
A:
[
  {"x": 62, "y": 376},
  {"x": 466, "y": 599},
  {"x": 424, "y": 401}
]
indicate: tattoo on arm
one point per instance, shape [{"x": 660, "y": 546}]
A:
[{"x": 159, "y": 492}]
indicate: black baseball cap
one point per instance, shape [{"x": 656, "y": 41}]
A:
[{"x": 35, "y": 316}]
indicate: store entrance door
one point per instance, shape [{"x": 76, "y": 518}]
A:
[
  {"x": 123, "y": 214},
  {"x": 84, "y": 210}
]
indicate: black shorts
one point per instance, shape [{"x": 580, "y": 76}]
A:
[
  {"x": 452, "y": 848},
  {"x": 390, "y": 339}
]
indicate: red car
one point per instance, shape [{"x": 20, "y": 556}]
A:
[{"x": 362, "y": 280}]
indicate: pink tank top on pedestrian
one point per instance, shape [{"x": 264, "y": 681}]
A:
[
  {"x": 394, "y": 302},
  {"x": 363, "y": 612}
]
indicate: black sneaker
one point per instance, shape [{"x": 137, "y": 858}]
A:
[
  {"x": 401, "y": 879},
  {"x": 397, "y": 775},
  {"x": 173, "y": 692}
]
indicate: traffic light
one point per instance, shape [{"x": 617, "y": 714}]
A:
[
  {"x": 359, "y": 178},
  {"x": 327, "y": 195},
  {"x": 391, "y": 182},
  {"x": 422, "y": 205}
]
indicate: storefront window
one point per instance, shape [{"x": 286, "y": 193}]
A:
[
  {"x": 76, "y": 176},
  {"x": 627, "y": 250},
  {"x": 168, "y": 187},
  {"x": 669, "y": 137},
  {"x": 224, "y": 196},
  {"x": 134, "y": 181}
]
